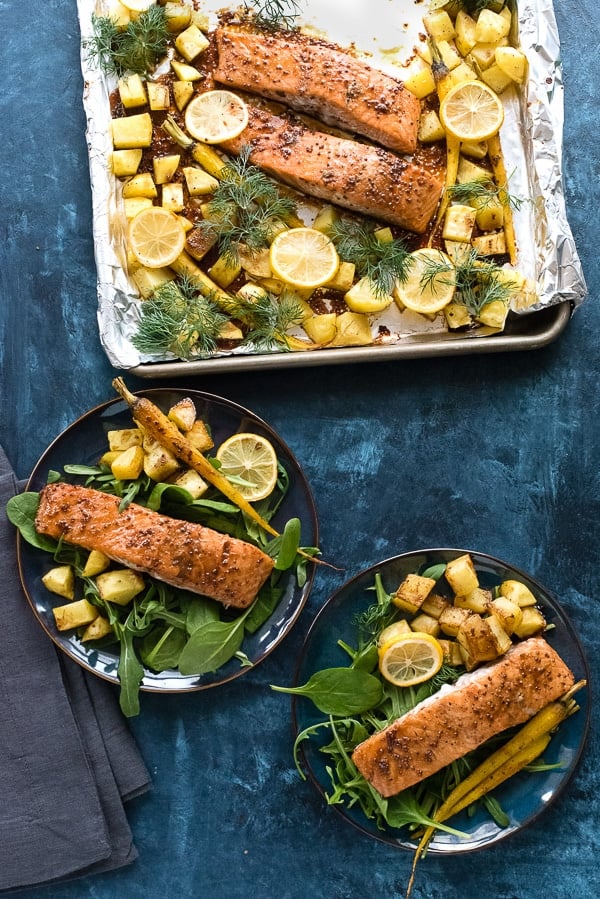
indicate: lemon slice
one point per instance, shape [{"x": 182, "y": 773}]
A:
[
  {"x": 411, "y": 659},
  {"x": 303, "y": 257},
  {"x": 156, "y": 237},
  {"x": 472, "y": 111},
  {"x": 252, "y": 461},
  {"x": 430, "y": 284},
  {"x": 216, "y": 116}
]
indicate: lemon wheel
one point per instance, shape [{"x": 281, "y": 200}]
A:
[
  {"x": 250, "y": 462},
  {"x": 304, "y": 257},
  {"x": 156, "y": 237},
  {"x": 471, "y": 111},
  {"x": 430, "y": 284},
  {"x": 411, "y": 659},
  {"x": 216, "y": 116}
]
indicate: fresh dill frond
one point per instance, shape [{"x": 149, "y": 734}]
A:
[
  {"x": 245, "y": 208},
  {"x": 274, "y": 14},
  {"x": 266, "y": 318},
  {"x": 178, "y": 320},
  {"x": 382, "y": 262},
  {"x": 485, "y": 193},
  {"x": 479, "y": 282},
  {"x": 437, "y": 272},
  {"x": 137, "y": 49}
]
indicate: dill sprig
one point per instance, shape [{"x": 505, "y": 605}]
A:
[
  {"x": 477, "y": 280},
  {"x": 472, "y": 7},
  {"x": 382, "y": 262},
  {"x": 274, "y": 14},
  {"x": 266, "y": 319},
  {"x": 245, "y": 208},
  {"x": 484, "y": 192},
  {"x": 178, "y": 320},
  {"x": 136, "y": 49}
]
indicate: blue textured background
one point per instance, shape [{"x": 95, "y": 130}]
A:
[{"x": 495, "y": 453}]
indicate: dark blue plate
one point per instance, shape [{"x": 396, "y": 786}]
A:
[
  {"x": 84, "y": 442},
  {"x": 525, "y": 796}
]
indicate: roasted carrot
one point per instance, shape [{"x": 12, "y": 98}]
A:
[
  {"x": 157, "y": 425},
  {"x": 443, "y": 82},
  {"x": 526, "y": 745},
  {"x": 496, "y": 157}
]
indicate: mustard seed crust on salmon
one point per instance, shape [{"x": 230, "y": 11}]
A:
[
  {"x": 181, "y": 553},
  {"x": 315, "y": 77},
  {"x": 360, "y": 177},
  {"x": 459, "y": 718}
]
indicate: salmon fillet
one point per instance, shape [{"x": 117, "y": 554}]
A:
[
  {"x": 313, "y": 76},
  {"x": 181, "y": 553},
  {"x": 461, "y": 717},
  {"x": 359, "y": 177}
]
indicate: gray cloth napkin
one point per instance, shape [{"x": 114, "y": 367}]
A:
[{"x": 68, "y": 760}]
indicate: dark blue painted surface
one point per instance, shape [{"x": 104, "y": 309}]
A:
[{"x": 496, "y": 453}]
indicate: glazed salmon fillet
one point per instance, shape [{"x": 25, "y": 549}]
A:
[
  {"x": 181, "y": 553},
  {"x": 315, "y": 77},
  {"x": 360, "y": 177},
  {"x": 461, "y": 717}
]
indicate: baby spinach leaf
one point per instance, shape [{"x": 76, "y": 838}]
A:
[
  {"x": 211, "y": 645},
  {"x": 288, "y": 548},
  {"x": 161, "y": 649},
  {"x": 435, "y": 571},
  {"x": 21, "y": 511},
  {"x": 340, "y": 691},
  {"x": 263, "y": 607},
  {"x": 198, "y": 610}
]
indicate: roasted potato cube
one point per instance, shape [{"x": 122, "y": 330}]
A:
[
  {"x": 74, "y": 614},
  {"x": 439, "y": 26},
  {"x": 481, "y": 639},
  {"x": 493, "y": 243},
  {"x": 451, "y": 619},
  {"x": 229, "y": 331},
  {"x": 225, "y": 270},
  {"x": 183, "y": 91},
  {"x": 490, "y": 213},
  {"x": 352, "y": 329},
  {"x": 393, "y": 631},
  {"x": 452, "y": 653},
  {"x": 191, "y": 42},
  {"x": 325, "y": 219},
  {"x": 418, "y": 79},
  {"x": 508, "y": 613},
  {"x": 495, "y": 78},
  {"x": 96, "y": 563},
  {"x": 185, "y": 72},
  {"x": 430, "y": 127},
  {"x": 109, "y": 457},
  {"x": 172, "y": 196},
  {"x": 532, "y": 622},
  {"x": 96, "y": 629},
  {"x": 412, "y": 592},
  {"x": 191, "y": 481},
  {"x": 491, "y": 27},
  {"x": 141, "y": 185},
  {"x": 148, "y": 280},
  {"x": 513, "y": 63},
  {"x": 255, "y": 262},
  {"x": 164, "y": 167},
  {"x": 198, "y": 182},
  {"x": 364, "y": 297},
  {"x": 124, "y": 438},
  {"x": 343, "y": 278},
  {"x": 159, "y": 463},
  {"x": 517, "y": 592},
  {"x": 461, "y": 575},
  {"x": 129, "y": 464},
  {"x": 494, "y": 314},
  {"x": 125, "y": 162},
  {"x": 457, "y": 315},
  {"x": 60, "y": 580},
  {"x": 183, "y": 413},
  {"x": 133, "y": 205},
  {"x": 434, "y": 605},
  {"x": 178, "y": 16},
  {"x": 132, "y": 131},
  {"x": 478, "y": 600},
  {"x": 459, "y": 222},
  {"x": 158, "y": 95},
  {"x": 132, "y": 91},
  {"x": 120, "y": 585},
  {"x": 321, "y": 328},
  {"x": 465, "y": 28},
  {"x": 425, "y": 624},
  {"x": 199, "y": 436}
]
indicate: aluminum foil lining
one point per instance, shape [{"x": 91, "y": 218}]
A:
[{"x": 386, "y": 34}]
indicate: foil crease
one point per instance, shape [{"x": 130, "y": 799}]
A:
[{"x": 532, "y": 137}]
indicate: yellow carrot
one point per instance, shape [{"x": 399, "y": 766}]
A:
[
  {"x": 452, "y": 161},
  {"x": 526, "y": 745},
  {"x": 157, "y": 425},
  {"x": 496, "y": 157}
]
